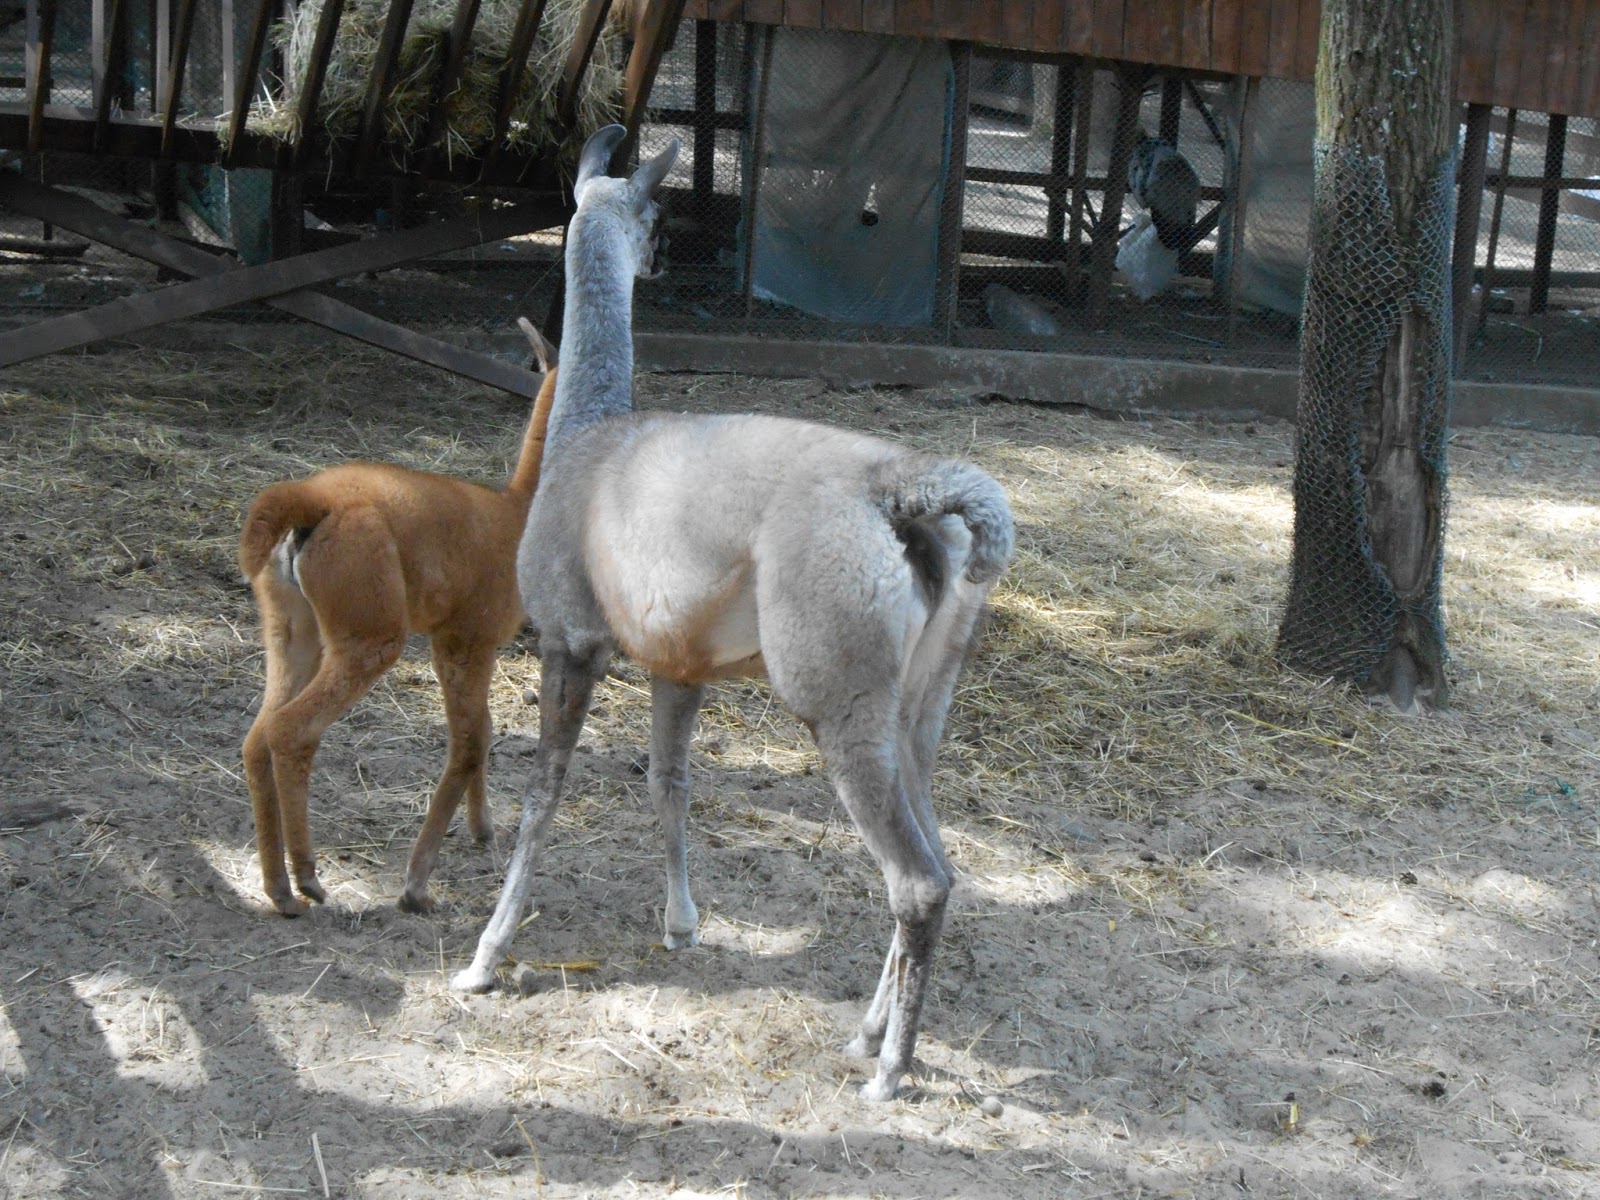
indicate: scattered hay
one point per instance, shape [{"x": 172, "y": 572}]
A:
[
  {"x": 467, "y": 124},
  {"x": 1192, "y": 886}
]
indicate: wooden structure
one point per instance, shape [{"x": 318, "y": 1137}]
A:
[
  {"x": 1527, "y": 54},
  {"x": 113, "y": 125},
  {"x": 1531, "y": 55}
]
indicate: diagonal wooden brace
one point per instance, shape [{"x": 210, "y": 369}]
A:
[{"x": 281, "y": 284}]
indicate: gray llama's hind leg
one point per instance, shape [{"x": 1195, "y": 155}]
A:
[
  {"x": 566, "y": 683},
  {"x": 923, "y": 716},
  {"x": 673, "y": 708},
  {"x": 918, "y": 886}
]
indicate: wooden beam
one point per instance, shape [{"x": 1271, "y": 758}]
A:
[
  {"x": 110, "y": 58},
  {"x": 590, "y": 22},
  {"x": 1055, "y": 196},
  {"x": 255, "y": 45},
  {"x": 227, "y": 47},
  {"x": 1469, "y": 208},
  {"x": 947, "y": 281},
  {"x": 1109, "y": 227},
  {"x": 221, "y": 290},
  {"x": 1239, "y": 201},
  {"x": 705, "y": 108},
  {"x": 89, "y": 220},
  {"x": 455, "y": 61},
  {"x": 39, "y": 30},
  {"x": 352, "y": 322},
  {"x": 656, "y": 31},
  {"x": 1083, "y": 115},
  {"x": 382, "y": 81},
  {"x": 1544, "y": 246},
  {"x": 752, "y": 184},
  {"x": 160, "y": 45},
  {"x": 305, "y": 108},
  {"x": 173, "y": 93},
  {"x": 70, "y": 129},
  {"x": 1171, "y": 109},
  {"x": 529, "y": 14},
  {"x": 1487, "y": 285},
  {"x": 11, "y": 243}
]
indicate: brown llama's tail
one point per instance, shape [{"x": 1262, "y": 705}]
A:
[{"x": 273, "y": 513}]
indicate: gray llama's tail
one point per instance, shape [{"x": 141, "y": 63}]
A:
[{"x": 919, "y": 486}]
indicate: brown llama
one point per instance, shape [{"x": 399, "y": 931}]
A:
[{"x": 345, "y": 564}]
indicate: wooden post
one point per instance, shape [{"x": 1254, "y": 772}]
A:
[
  {"x": 947, "y": 280},
  {"x": 316, "y": 72},
  {"x": 1109, "y": 227},
  {"x": 39, "y": 32},
  {"x": 227, "y": 48},
  {"x": 705, "y": 109},
  {"x": 243, "y": 93},
  {"x": 1239, "y": 202},
  {"x": 752, "y": 186},
  {"x": 1469, "y": 208},
  {"x": 1555, "y": 151},
  {"x": 172, "y": 88},
  {"x": 1171, "y": 108},
  {"x": 1083, "y": 114},
  {"x": 381, "y": 82},
  {"x": 1494, "y": 224},
  {"x": 1055, "y": 220},
  {"x": 466, "y": 16},
  {"x": 287, "y": 214}
]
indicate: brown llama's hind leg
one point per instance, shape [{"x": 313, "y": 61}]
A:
[
  {"x": 294, "y": 731},
  {"x": 294, "y": 653},
  {"x": 464, "y": 672}
]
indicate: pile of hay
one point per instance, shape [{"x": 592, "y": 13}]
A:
[{"x": 469, "y": 109}]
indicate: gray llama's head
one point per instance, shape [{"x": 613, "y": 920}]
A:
[{"x": 629, "y": 203}]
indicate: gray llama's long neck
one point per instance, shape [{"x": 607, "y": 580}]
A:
[{"x": 596, "y": 376}]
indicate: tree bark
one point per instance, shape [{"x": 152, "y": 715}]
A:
[{"x": 1364, "y": 597}]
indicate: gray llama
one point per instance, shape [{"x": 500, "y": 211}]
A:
[{"x": 846, "y": 569}]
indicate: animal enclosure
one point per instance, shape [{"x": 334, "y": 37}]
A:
[
  {"x": 468, "y": 97},
  {"x": 1031, "y": 173}
]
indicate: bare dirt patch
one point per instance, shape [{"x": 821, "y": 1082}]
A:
[{"x": 1220, "y": 931}]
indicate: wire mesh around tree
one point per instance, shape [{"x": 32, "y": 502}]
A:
[{"x": 1365, "y": 283}]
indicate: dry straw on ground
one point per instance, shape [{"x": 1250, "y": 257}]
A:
[{"x": 1217, "y": 925}]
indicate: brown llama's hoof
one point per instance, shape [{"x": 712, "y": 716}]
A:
[{"x": 418, "y": 904}]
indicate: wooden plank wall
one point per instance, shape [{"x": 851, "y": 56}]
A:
[{"x": 1539, "y": 55}]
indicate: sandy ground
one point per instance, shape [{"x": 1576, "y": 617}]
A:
[{"x": 1219, "y": 932}]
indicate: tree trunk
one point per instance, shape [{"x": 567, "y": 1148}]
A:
[{"x": 1364, "y": 601}]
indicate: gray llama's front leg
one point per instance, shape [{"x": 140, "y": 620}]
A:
[
  {"x": 539, "y": 805},
  {"x": 567, "y": 683},
  {"x": 673, "y": 708}
]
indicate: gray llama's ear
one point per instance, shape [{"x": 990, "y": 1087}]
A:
[
  {"x": 597, "y": 151},
  {"x": 650, "y": 174},
  {"x": 542, "y": 349}
]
